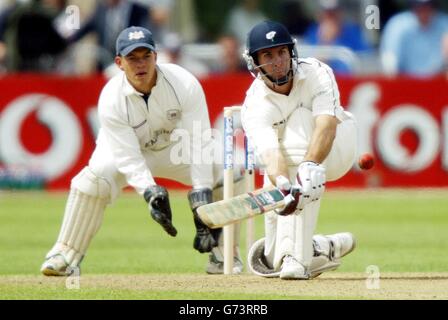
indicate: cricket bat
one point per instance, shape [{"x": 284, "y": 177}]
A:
[{"x": 250, "y": 204}]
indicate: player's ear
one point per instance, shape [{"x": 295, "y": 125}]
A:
[
  {"x": 118, "y": 62},
  {"x": 155, "y": 56}
]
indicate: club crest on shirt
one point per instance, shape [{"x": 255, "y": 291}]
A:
[
  {"x": 270, "y": 35},
  {"x": 173, "y": 114}
]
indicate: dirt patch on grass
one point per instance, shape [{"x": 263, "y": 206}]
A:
[{"x": 332, "y": 285}]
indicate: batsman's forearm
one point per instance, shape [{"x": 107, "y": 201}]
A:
[
  {"x": 320, "y": 146},
  {"x": 276, "y": 164},
  {"x": 322, "y": 138}
]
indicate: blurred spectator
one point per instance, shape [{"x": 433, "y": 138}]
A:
[
  {"x": 171, "y": 52},
  {"x": 2, "y": 57},
  {"x": 5, "y": 9},
  {"x": 243, "y": 17},
  {"x": 28, "y": 38},
  {"x": 445, "y": 54},
  {"x": 109, "y": 18},
  {"x": 230, "y": 59},
  {"x": 389, "y": 8},
  {"x": 160, "y": 15},
  {"x": 294, "y": 18},
  {"x": 60, "y": 22},
  {"x": 413, "y": 42},
  {"x": 4, "y": 4},
  {"x": 332, "y": 29}
]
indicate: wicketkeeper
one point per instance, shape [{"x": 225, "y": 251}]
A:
[
  {"x": 140, "y": 109},
  {"x": 303, "y": 136}
]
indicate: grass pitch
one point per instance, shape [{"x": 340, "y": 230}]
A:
[{"x": 400, "y": 233}]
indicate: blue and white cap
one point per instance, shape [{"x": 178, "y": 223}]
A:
[{"x": 133, "y": 38}]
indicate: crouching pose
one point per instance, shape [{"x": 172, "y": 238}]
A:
[
  {"x": 140, "y": 109},
  {"x": 303, "y": 137}
]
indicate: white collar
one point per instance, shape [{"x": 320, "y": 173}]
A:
[{"x": 128, "y": 89}]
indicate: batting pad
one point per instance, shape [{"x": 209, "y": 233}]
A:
[
  {"x": 306, "y": 222},
  {"x": 323, "y": 259},
  {"x": 83, "y": 216},
  {"x": 258, "y": 265},
  {"x": 295, "y": 235}
]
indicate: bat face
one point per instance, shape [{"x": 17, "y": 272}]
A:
[
  {"x": 224, "y": 212},
  {"x": 264, "y": 199}
]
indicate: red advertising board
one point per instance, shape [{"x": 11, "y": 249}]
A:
[{"x": 49, "y": 123}]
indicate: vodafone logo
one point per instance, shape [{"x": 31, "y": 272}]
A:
[
  {"x": 431, "y": 135},
  {"x": 62, "y": 123},
  {"x": 424, "y": 126},
  {"x": 402, "y": 122}
]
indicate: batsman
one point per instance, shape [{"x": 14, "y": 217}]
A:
[
  {"x": 140, "y": 110},
  {"x": 304, "y": 138}
]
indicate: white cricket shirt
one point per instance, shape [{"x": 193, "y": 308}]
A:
[
  {"x": 133, "y": 127},
  {"x": 265, "y": 112}
]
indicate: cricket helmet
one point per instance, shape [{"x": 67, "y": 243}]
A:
[
  {"x": 264, "y": 35},
  {"x": 267, "y": 34}
]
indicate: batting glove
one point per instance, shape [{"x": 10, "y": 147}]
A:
[
  {"x": 159, "y": 206},
  {"x": 293, "y": 196},
  {"x": 311, "y": 176}
]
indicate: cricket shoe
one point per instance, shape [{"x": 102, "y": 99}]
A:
[
  {"x": 292, "y": 269},
  {"x": 216, "y": 266},
  {"x": 328, "y": 251},
  {"x": 56, "y": 266}
]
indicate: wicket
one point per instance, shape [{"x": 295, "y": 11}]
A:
[{"x": 249, "y": 176}]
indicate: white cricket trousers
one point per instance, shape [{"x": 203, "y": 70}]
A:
[{"x": 292, "y": 235}]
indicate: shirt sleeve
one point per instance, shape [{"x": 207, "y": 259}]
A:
[
  {"x": 195, "y": 120},
  {"x": 324, "y": 91},
  {"x": 124, "y": 145},
  {"x": 257, "y": 125}
]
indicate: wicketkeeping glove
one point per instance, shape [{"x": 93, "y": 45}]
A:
[
  {"x": 311, "y": 176},
  {"x": 205, "y": 239},
  {"x": 159, "y": 206}
]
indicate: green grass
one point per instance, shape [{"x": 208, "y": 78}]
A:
[
  {"x": 399, "y": 231},
  {"x": 128, "y": 241},
  {"x": 396, "y": 230}
]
